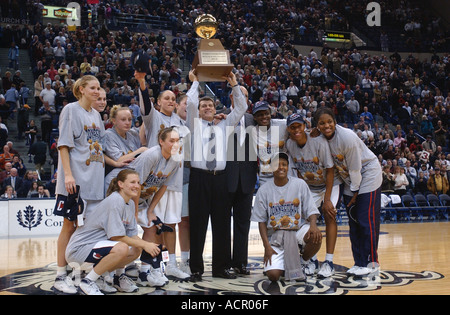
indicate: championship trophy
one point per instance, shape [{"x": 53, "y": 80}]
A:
[{"x": 211, "y": 61}]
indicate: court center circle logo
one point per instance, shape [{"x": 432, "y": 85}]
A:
[{"x": 39, "y": 282}]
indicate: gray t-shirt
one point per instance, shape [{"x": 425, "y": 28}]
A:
[
  {"x": 284, "y": 208},
  {"x": 311, "y": 161},
  {"x": 358, "y": 167},
  {"x": 155, "y": 121},
  {"x": 154, "y": 171},
  {"x": 83, "y": 133},
  {"x": 269, "y": 142},
  {"x": 111, "y": 218},
  {"x": 116, "y": 146}
]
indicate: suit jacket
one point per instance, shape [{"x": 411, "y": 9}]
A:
[
  {"x": 18, "y": 185},
  {"x": 240, "y": 168}
]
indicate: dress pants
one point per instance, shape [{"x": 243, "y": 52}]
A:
[
  {"x": 241, "y": 205},
  {"x": 208, "y": 197}
]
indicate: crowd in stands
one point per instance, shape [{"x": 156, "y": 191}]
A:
[{"x": 368, "y": 92}]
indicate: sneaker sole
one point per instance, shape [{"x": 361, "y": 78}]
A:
[
  {"x": 320, "y": 276},
  {"x": 124, "y": 291},
  {"x": 147, "y": 284},
  {"x": 58, "y": 292},
  {"x": 174, "y": 278}
]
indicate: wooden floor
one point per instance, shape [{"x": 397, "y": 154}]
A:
[{"x": 414, "y": 259}]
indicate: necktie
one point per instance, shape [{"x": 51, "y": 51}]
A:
[
  {"x": 241, "y": 131},
  {"x": 211, "y": 157}
]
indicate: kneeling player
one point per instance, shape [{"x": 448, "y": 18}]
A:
[
  {"x": 109, "y": 239},
  {"x": 286, "y": 213}
]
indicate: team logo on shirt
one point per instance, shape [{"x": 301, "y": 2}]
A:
[
  {"x": 339, "y": 164},
  {"x": 153, "y": 183},
  {"x": 284, "y": 215},
  {"x": 309, "y": 170},
  {"x": 95, "y": 148}
]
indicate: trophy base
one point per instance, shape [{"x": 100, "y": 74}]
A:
[
  {"x": 212, "y": 73},
  {"x": 212, "y": 61}
]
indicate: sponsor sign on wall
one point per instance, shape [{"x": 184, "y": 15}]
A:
[{"x": 29, "y": 217}]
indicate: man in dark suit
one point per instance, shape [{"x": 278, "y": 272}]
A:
[
  {"x": 13, "y": 180},
  {"x": 241, "y": 170}
]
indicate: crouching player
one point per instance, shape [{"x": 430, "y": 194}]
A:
[
  {"x": 109, "y": 239},
  {"x": 286, "y": 214}
]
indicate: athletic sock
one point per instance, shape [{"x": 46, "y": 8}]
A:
[
  {"x": 172, "y": 260},
  {"x": 93, "y": 276},
  {"x": 61, "y": 271},
  {"x": 329, "y": 257},
  {"x": 184, "y": 256},
  {"x": 145, "y": 268}
]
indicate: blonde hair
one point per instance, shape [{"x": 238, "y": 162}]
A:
[
  {"x": 82, "y": 82},
  {"x": 117, "y": 108},
  {"x": 122, "y": 177}
]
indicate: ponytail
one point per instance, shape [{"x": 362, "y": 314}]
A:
[{"x": 122, "y": 176}]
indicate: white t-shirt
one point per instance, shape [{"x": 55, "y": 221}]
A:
[{"x": 48, "y": 96}]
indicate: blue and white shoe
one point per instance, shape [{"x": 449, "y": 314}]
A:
[
  {"x": 88, "y": 287},
  {"x": 64, "y": 286},
  {"x": 311, "y": 267},
  {"x": 124, "y": 284},
  {"x": 326, "y": 270},
  {"x": 150, "y": 279}
]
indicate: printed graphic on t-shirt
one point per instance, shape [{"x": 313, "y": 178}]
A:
[
  {"x": 340, "y": 165},
  {"x": 153, "y": 183},
  {"x": 95, "y": 148},
  {"x": 309, "y": 170},
  {"x": 284, "y": 215}
]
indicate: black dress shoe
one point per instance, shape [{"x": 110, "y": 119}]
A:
[
  {"x": 195, "y": 277},
  {"x": 242, "y": 270},
  {"x": 224, "y": 274}
]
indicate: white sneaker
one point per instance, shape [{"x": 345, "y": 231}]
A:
[
  {"x": 125, "y": 284},
  {"x": 159, "y": 273},
  {"x": 172, "y": 272},
  {"x": 148, "y": 279},
  {"x": 326, "y": 270},
  {"x": 365, "y": 271},
  {"x": 104, "y": 286},
  {"x": 184, "y": 266},
  {"x": 88, "y": 287},
  {"x": 352, "y": 270},
  {"x": 64, "y": 285}
]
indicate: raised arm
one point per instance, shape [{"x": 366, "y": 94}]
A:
[
  {"x": 240, "y": 102},
  {"x": 144, "y": 97},
  {"x": 192, "y": 100}
]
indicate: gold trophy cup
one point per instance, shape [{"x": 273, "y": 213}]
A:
[{"x": 211, "y": 61}]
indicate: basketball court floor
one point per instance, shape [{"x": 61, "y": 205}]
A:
[{"x": 414, "y": 260}]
